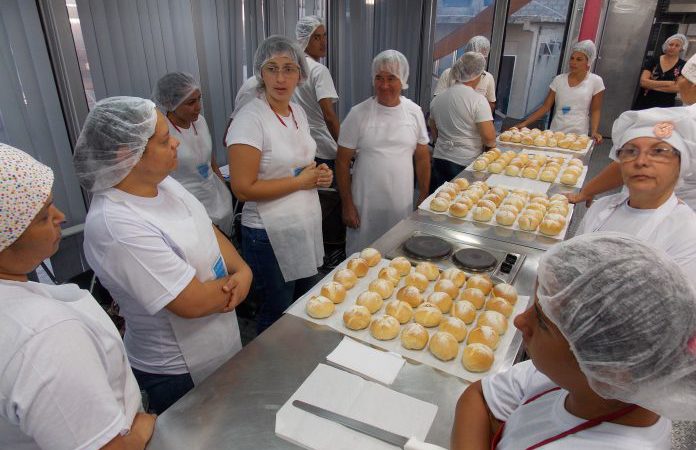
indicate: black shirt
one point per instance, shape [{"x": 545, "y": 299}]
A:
[{"x": 648, "y": 98}]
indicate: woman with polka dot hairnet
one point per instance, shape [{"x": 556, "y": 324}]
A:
[{"x": 65, "y": 379}]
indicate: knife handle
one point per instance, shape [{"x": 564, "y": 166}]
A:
[{"x": 415, "y": 444}]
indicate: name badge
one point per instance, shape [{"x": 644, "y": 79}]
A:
[
  {"x": 219, "y": 268},
  {"x": 565, "y": 109},
  {"x": 298, "y": 170},
  {"x": 203, "y": 170}
]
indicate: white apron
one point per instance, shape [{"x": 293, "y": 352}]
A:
[
  {"x": 650, "y": 225},
  {"x": 293, "y": 222},
  {"x": 205, "y": 342},
  {"x": 686, "y": 190},
  {"x": 572, "y": 113},
  {"x": 382, "y": 184},
  {"x": 195, "y": 173}
]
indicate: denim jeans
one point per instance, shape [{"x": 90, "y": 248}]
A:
[
  {"x": 442, "y": 171},
  {"x": 162, "y": 390},
  {"x": 273, "y": 294}
]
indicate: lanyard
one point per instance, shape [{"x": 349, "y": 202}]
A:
[
  {"x": 583, "y": 426},
  {"x": 281, "y": 119},
  {"x": 179, "y": 130}
]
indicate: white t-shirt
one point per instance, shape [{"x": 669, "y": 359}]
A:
[
  {"x": 572, "y": 114},
  {"x": 143, "y": 269},
  {"x": 485, "y": 86},
  {"x": 527, "y": 425},
  {"x": 318, "y": 86},
  {"x": 456, "y": 113},
  {"x": 247, "y": 92},
  {"x": 65, "y": 382},
  {"x": 257, "y": 126},
  {"x": 675, "y": 235}
]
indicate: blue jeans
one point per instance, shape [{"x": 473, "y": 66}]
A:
[
  {"x": 273, "y": 294},
  {"x": 162, "y": 390},
  {"x": 442, "y": 171}
]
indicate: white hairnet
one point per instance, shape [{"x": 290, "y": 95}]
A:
[
  {"x": 173, "y": 89},
  {"x": 629, "y": 315},
  {"x": 689, "y": 69},
  {"x": 680, "y": 37},
  {"x": 394, "y": 62},
  {"x": 479, "y": 44},
  {"x": 468, "y": 67},
  {"x": 277, "y": 45},
  {"x": 112, "y": 140},
  {"x": 587, "y": 48},
  {"x": 304, "y": 29}
]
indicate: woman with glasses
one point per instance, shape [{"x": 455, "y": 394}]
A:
[
  {"x": 653, "y": 149},
  {"x": 272, "y": 170}
]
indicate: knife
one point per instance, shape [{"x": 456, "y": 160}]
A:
[{"x": 366, "y": 428}]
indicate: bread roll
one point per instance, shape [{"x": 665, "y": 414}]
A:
[
  {"x": 346, "y": 277},
  {"x": 449, "y": 190},
  {"x": 516, "y": 201},
  {"x": 575, "y": 170},
  {"x": 536, "y": 213},
  {"x": 483, "y": 335},
  {"x": 370, "y": 300},
  {"x": 358, "y": 266},
  {"x": 558, "y": 208},
  {"x": 455, "y": 327},
  {"x": 539, "y": 200},
  {"x": 559, "y": 198},
  {"x": 430, "y": 270},
  {"x": 455, "y": 275},
  {"x": 530, "y": 172},
  {"x": 428, "y": 315},
  {"x": 414, "y": 336},
  {"x": 334, "y": 291},
  {"x": 550, "y": 227},
  {"x": 402, "y": 265},
  {"x": 505, "y": 136},
  {"x": 540, "y": 141},
  {"x": 516, "y": 138},
  {"x": 459, "y": 209},
  {"x": 578, "y": 145},
  {"x": 493, "y": 319},
  {"x": 508, "y": 207},
  {"x": 439, "y": 204},
  {"x": 474, "y": 296},
  {"x": 390, "y": 274},
  {"x": 548, "y": 175},
  {"x": 575, "y": 162},
  {"x": 569, "y": 179},
  {"x": 506, "y": 291},
  {"x": 371, "y": 255},
  {"x": 448, "y": 286},
  {"x": 537, "y": 206},
  {"x": 319, "y": 307},
  {"x": 463, "y": 310},
  {"x": 556, "y": 217},
  {"x": 496, "y": 167},
  {"x": 552, "y": 142},
  {"x": 505, "y": 217},
  {"x": 491, "y": 197},
  {"x": 559, "y": 135},
  {"x": 452, "y": 185},
  {"x": 477, "y": 358},
  {"x": 565, "y": 143},
  {"x": 534, "y": 132},
  {"x": 480, "y": 164},
  {"x": 487, "y": 204},
  {"x": 482, "y": 214},
  {"x": 512, "y": 171},
  {"x": 383, "y": 287},
  {"x": 357, "y": 317},
  {"x": 385, "y": 328},
  {"x": 443, "y": 346},
  {"x": 401, "y": 310},
  {"x": 527, "y": 222},
  {"x": 527, "y": 140},
  {"x": 442, "y": 300},
  {"x": 463, "y": 183},
  {"x": 416, "y": 279},
  {"x": 410, "y": 295},
  {"x": 480, "y": 282},
  {"x": 499, "y": 305}
]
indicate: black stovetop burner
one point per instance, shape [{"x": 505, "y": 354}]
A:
[
  {"x": 475, "y": 259},
  {"x": 427, "y": 247}
]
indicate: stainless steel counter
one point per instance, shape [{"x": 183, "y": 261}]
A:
[{"x": 236, "y": 406}]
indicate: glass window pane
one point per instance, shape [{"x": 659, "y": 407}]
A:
[{"x": 76, "y": 29}]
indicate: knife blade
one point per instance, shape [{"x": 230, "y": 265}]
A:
[{"x": 353, "y": 424}]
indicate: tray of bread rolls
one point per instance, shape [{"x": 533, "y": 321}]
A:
[
  {"x": 549, "y": 167},
  {"x": 518, "y": 209},
  {"x": 453, "y": 321},
  {"x": 549, "y": 140}
]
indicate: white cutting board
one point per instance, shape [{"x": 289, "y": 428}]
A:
[{"x": 352, "y": 396}]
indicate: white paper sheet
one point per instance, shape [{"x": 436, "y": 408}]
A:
[
  {"x": 352, "y": 396},
  {"x": 375, "y": 364},
  {"x": 566, "y": 151}
]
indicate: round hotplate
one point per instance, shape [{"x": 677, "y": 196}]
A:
[
  {"x": 475, "y": 259},
  {"x": 427, "y": 247}
]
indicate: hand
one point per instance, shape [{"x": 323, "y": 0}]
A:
[
  {"x": 143, "y": 426},
  {"x": 309, "y": 176},
  {"x": 421, "y": 197},
  {"x": 238, "y": 285},
  {"x": 351, "y": 217},
  {"x": 325, "y": 176},
  {"x": 597, "y": 137},
  {"x": 579, "y": 197}
]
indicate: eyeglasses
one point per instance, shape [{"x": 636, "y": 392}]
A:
[
  {"x": 285, "y": 70},
  {"x": 657, "y": 154}
]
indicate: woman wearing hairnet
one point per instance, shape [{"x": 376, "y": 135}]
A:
[
  {"x": 659, "y": 75},
  {"x": 653, "y": 149},
  {"x": 175, "y": 276},
  {"x": 65, "y": 381},
  {"x": 486, "y": 84},
  {"x": 272, "y": 169},
  {"x": 612, "y": 341},
  {"x": 386, "y": 134},
  {"x": 577, "y": 95},
  {"x": 178, "y": 96},
  {"x": 460, "y": 121}
]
